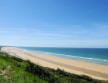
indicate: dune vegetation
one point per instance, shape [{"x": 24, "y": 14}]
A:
[{"x": 16, "y": 70}]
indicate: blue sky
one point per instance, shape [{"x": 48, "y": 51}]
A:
[{"x": 54, "y": 23}]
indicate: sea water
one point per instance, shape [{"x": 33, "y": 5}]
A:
[{"x": 92, "y": 55}]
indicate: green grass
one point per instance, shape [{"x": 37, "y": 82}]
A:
[{"x": 16, "y": 70}]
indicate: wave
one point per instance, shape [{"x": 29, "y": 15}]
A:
[
  {"x": 86, "y": 59},
  {"x": 73, "y": 56},
  {"x": 67, "y": 56}
]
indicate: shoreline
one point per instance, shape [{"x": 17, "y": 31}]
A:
[
  {"x": 72, "y": 66},
  {"x": 92, "y": 58}
]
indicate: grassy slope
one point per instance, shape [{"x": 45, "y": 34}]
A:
[{"x": 15, "y": 70}]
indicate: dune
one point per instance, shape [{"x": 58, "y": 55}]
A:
[{"x": 73, "y": 66}]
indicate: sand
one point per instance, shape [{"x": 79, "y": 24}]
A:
[{"x": 73, "y": 66}]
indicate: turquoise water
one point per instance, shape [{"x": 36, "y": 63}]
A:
[{"x": 93, "y": 55}]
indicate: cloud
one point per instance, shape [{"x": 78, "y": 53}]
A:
[{"x": 74, "y": 36}]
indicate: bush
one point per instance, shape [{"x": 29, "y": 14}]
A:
[{"x": 28, "y": 72}]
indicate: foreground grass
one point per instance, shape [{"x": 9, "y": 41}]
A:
[{"x": 15, "y": 70}]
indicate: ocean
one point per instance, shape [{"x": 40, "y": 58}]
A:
[{"x": 92, "y": 55}]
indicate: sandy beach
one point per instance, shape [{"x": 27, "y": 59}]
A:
[{"x": 72, "y": 66}]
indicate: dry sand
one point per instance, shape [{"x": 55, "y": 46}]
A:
[{"x": 72, "y": 66}]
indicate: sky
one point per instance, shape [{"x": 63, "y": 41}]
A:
[{"x": 54, "y": 23}]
